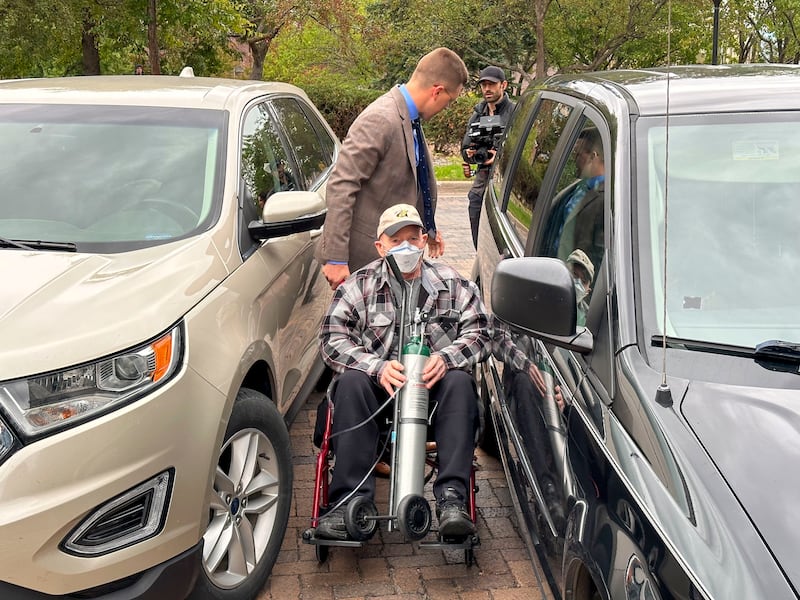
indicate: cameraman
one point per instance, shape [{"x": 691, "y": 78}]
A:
[{"x": 496, "y": 102}]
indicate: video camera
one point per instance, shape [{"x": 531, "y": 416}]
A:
[{"x": 485, "y": 135}]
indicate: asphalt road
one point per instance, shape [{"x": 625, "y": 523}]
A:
[{"x": 388, "y": 566}]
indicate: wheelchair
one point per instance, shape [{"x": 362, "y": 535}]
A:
[{"x": 412, "y": 516}]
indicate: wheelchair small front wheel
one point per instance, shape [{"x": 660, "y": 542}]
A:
[
  {"x": 359, "y": 519},
  {"x": 321, "y": 553},
  {"x": 414, "y": 517}
]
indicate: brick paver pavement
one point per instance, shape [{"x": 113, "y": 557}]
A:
[{"x": 388, "y": 566}]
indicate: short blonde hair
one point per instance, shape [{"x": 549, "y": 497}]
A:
[{"x": 441, "y": 66}]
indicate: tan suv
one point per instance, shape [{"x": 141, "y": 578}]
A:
[{"x": 158, "y": 320}]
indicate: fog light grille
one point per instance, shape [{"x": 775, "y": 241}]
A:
[{"x": 131, "y": 517}]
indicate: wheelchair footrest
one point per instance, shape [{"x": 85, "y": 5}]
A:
[
  {"x": 309, "y": 537},
  {"x": 471, "y": 541}
]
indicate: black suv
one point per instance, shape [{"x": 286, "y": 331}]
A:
[{"x": 640, "y": 247}]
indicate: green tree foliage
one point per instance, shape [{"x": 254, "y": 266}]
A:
[
  {"x": 46, "y": 38},
  {"x": 760, "y": 31},
  {"x": 346, "y": 52}
]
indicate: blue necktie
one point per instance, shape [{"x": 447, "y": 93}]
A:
[{"x": 422, "y": 179}]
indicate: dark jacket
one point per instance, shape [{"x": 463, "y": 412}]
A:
[{"x": 503, "y": 109}]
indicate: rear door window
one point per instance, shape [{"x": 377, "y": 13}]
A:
[
  {"x": 538, "y": 144},
  {"x": 573, "y": 229}
]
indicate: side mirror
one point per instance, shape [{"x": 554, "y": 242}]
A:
[
  {"x": 536, "y": 295},
  {"x": 286, "y": 213}
]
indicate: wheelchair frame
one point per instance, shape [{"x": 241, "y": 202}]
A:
[
  {"x": 362, "y": 516},
  {"x": 413, "y": 513}
]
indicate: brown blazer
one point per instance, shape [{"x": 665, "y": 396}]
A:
[{"x": 376, "y": 169}]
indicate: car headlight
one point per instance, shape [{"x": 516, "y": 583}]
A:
[{"x": 50, "y": 401}]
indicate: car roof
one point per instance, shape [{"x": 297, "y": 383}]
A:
[
  {"x": 692, "y": 89},
  {"x": 140, "y": 90}
]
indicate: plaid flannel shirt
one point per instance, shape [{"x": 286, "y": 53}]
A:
[
  {"x": 506, "y": 347},
  {"x": 360, "y": 330}
]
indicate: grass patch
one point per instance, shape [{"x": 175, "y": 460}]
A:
[{"x": 450, "y": 170}]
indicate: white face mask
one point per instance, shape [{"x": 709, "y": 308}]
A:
[
  {"x": 580, "y": 291},
  {"x": 406, "y": 256}
]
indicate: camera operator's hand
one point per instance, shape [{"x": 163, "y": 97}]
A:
[
  {"x": 489, "y": 161},
  {"x": 470, "y": 152}
]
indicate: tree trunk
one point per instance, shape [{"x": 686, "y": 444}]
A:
[
  {"x": 90, "y": 55},
  {"x": 258, "y": 49},
  {"x": 152, "y": 38},
  {"x": 540, "y": 10}
]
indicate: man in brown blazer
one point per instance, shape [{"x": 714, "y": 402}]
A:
[{"x": 377, "y": 165}]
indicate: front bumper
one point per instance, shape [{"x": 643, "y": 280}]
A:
[
  {"x": 49, "y": 487},
  {"x": 173, "y": 579}
]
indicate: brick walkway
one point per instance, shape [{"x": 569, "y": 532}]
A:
[{"x": 388, "y": 566}]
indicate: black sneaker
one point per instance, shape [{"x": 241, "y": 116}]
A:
[
  {"x": 454, "y": 521},
  {"x": 331, "y": 525}
]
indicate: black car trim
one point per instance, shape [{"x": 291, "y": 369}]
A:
[{"x": 173, "y": 578}]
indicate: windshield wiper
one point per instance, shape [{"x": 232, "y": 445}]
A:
[
  {"x": 779, "y": 350},
  {"x": 776, "y": 355},
  {"x": 702, "y": 346},
  {"x": 38, "y": 245}
]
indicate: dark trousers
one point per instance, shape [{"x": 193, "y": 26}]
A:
[
  {"x": 475, "y": 197},
  {"x": 454, "y": 423}
]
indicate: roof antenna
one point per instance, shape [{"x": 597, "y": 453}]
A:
[{"x": 663, "y": 393}]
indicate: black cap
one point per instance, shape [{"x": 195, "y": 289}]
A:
[{"x": 494, "y": 74}]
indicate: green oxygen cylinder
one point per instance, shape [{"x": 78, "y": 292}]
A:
[{"x": 412, "y": 429}]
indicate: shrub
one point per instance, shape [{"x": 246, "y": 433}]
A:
[{"x": 340, "y": 103}]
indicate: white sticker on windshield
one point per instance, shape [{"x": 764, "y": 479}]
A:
[{"x": 756, "y": 150}]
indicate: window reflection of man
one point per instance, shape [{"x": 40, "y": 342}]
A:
[{"x": 581, "y": 213}]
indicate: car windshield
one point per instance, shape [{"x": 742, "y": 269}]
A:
[
  {"x": 108, "y": 178},
  {"x": 733, "y": 219}
]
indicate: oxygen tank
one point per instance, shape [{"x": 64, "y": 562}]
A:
[
  {"x": 412, "y": 428},
  {"x": 554, "y": 422}
]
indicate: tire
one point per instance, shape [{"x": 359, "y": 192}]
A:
[
  {"x": 414, "y": 517},
  {"x": 469, "y": 557},
  {"x": 321, "y": 552},
  {"x": 246, "y": 527},
  {"x": 360, "y": 518}
]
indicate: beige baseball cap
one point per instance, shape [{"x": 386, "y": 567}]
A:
[
  {"x": 396, "y": 217},
  {"x": 579, "y": 257}
]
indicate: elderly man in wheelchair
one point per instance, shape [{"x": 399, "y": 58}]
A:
[{"x": 359, "y": 342}]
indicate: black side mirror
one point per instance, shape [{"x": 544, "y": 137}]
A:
[{"x": 537, "y": 296}]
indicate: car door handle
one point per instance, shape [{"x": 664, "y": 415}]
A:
[{"x": 315, "y": 233}]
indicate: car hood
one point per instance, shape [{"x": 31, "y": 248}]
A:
[
  {"x": 753, "y": 436},
  {"x": 60, "y": 309}
]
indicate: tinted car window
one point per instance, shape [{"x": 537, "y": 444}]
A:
[
  {"x": 311, "y": 144},
  {"x": 537, "y": 150},
  {"x": 573, "y": 230},
  {"x": 265, "y": 168}
]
